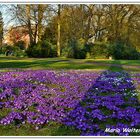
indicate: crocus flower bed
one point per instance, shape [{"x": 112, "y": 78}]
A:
[
  {"x": 111, "y": 103},
  {"x": 88, "y": 101},
  {"x": 37, "y": 97}
]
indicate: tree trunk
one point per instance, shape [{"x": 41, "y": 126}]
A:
[
  {"x": 28, "y": 8},
  {"x": 58, "y": 32},
  {"x": 1, "y": 29},
  {"x": 40, "y": 18}
]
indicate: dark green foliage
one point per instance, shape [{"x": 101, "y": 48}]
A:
[
  {"x": 42, "y": 49},
  {"x": 98, "y": 50},
  {"x": 53, "y": 52},
  {"x": 9, "y": 50},
  {"x": 117, "y": 50},
  {"x": 20, "y": 44},
  {"x": 121, "y": 50},
  {"x": 19, "y": 53},
  {"x": 6, "y": 49},
  {"x": 76, "y": 49}
]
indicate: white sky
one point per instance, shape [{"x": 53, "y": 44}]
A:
[{"x": 6, "y": 16}]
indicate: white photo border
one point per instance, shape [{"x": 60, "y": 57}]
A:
[{"x": 69, "y": 2}]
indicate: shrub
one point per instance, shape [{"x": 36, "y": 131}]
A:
[
  {"x": 20, "y": 44},
  {"x": 118, "y": 50},
  {"x": 121, "y": 50},
  {"x": 42, "y": 49},
  {"x": 53, "y": 52},
  {"x": 68, "y": 52},
  {"x": 20, "y": 53},
  {"x": 75, "y": 49},
  {"x": 98, "y": 50},
  {"x": 6, "y": 49},
  {"x": 10, "y": 50}
]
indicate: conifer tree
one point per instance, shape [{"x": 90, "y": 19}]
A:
[{"x": 1, "y": 29}]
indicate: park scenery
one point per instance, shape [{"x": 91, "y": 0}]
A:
[{"x": 69, "y": 70}]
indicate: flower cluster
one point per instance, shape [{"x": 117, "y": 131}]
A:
[
  {"x": 109, "y": 103},
  {"x": 37, "y": 97},
  {"x": 87, "y": 100}
]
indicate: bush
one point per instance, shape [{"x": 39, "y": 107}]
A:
[
  {"x": 20, "y": 53},
  {"x": 121, "y": 50},
  {"x": 75, "y": 49},
  {"x": 20, "y": 44},
  {"x": 42, "y": 49},
  {"x": 98, "y": 50},
  {"x": 10, "y": 50},
  {"x": 68, "y": 52},
  {"x": 118, "y": 50},
  {"x": 6, "y": 49},
  {"x": 53, "y": 52}
]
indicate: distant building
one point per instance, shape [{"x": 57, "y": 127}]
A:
[{"x": 16, "y": 34}]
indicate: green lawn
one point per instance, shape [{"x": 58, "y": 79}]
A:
[
  {"x": 63, "y": 63},
  {"x": 51, "y": 129}
]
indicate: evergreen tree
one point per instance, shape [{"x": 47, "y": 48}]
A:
[{"x": 1, "y": 29}]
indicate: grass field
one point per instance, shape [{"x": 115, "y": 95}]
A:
[
  {"x": 53, "y": 129},
  {"x": 63, "y": 63},
  {"x": 7, "y": 63}
]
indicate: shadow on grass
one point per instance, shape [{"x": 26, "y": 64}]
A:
[
  {"x": 24, "y": 64},
  {"x": 48, "y": 64},
  {"x": 10, "y": 58},
  {"x": 61, "y": 63},
  {"x": 122, "y": 62}
]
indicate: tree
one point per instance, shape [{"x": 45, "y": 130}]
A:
[
  {"x": 65, "y": 25},
  {"x": 41, "y": 10},
  {"x": 28, "y": 22},
  {"x": 31, "y": 16},
  {"x": 58, "y": 31},
  {"x": 1, "y": 29}
]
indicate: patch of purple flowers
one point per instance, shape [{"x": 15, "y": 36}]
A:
[
  {"x": 38, "y": 97},
  {"x": 111, "y": 102},
  {"x": 89, "y": 101}
]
